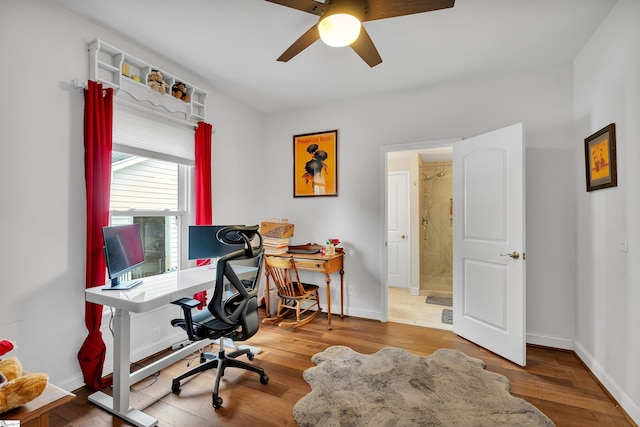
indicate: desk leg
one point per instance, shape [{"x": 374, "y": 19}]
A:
[
  {"x": 267, "y": 296},
  {"x": 342, "y": 293},
  {"x": 119, "y": 404},
  {"x": 328, "y": 281},
  {"x": 121, "y": 352}
]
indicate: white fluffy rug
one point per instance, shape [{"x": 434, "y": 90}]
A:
[{"x": 395, "y": 388}]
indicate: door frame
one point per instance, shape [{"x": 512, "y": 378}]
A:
[{"x": 384, "y": 150}]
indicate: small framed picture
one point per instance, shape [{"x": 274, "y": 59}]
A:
[
  {"x": 315, "y": 164},
  {"x": 600, "y": 159}
]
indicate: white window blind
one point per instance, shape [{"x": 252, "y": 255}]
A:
[{"x": 149, "y": 136}]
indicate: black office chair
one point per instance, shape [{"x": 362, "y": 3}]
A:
[{"x": 233, "y": 310}]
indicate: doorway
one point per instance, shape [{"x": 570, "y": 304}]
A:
[
  {"x": 436, "y": 228},
  {"x": 430, "y": 236},
  {"x": 488, "y": 239}
]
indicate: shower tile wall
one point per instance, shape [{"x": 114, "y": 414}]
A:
[{"x": 436, "y": 228}]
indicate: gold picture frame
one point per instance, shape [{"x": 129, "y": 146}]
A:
[
  {"x": 600, "y": 159},
  {"x": 315, "y": 164}
]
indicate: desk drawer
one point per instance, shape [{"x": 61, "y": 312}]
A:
[{"x": 310, "y": 265}]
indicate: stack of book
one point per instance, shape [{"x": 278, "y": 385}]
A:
[
  {"x": 276, "y": 234},
  {"x": 275, "y": 246}
]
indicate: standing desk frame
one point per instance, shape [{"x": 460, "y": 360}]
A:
[{"x": 154, "y": 292}]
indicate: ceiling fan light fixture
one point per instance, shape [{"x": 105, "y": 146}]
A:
[{"x": 339, "y": 29}]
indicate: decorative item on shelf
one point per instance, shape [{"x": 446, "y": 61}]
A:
[
  {"x": 135, "y": 78},
  {"x": 156, "y": 82},
  {"x": 179, "y": 90},
  {"x": 276, "y": 234},
  {"x": 125, "y": 69}
]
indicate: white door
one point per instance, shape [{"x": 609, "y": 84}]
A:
[
  {"x": 398, "y": 229},
  {"x": 489, "y": 247}
]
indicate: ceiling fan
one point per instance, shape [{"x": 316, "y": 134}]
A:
[{"x": 356, "y": 12}]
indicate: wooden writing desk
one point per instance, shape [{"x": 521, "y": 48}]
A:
[
  {"x": 36, "y": 412},
  {"x": 327, "y": 265}
]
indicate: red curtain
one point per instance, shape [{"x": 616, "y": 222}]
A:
[
  {"x": 203, "y": 187},
  {"x": 98, "y": 121}
]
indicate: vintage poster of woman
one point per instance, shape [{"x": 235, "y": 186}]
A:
[{"x": 315, "y": 164}]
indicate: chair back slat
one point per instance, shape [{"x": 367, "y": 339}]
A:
[{"x": 285, "y": 276}]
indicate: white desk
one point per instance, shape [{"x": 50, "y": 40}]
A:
[{"x": 154, "y": 292}]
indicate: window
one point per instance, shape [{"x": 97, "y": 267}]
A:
[
  {"x": 154, "y": 194},
  {"x": 151, "y": 184}
]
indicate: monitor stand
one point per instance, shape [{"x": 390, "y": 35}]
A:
[{"x": 122, "y": 285}]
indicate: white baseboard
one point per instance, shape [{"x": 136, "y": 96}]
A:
[
  {"x": 550, "y": 341},
  {"x": 630, "y": 406},
  {"x": 355, "y": 312},
  {"x": 77, "y": 382}
]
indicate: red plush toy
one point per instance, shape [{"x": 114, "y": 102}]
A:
[{"x": 6, "y": 346}]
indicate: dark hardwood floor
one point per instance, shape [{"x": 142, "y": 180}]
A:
[{"x": 554, "y": 381}]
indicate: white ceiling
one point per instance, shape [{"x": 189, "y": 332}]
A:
[{"x": 233, "y": 44}]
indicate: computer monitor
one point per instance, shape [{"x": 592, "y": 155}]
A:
[
  {"x": 123, "y": 252},
  {"x": 204, "y": 243}
]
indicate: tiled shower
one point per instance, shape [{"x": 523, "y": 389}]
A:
[{"x": 436, "y": 228}]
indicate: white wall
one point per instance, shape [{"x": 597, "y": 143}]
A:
[
  {"x": 540, "y": 98},
  {"x": 42, "y": 183},
  {"x": 607, "y": 90}
]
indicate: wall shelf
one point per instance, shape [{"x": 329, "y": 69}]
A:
[{"x": 128, "y": 76}]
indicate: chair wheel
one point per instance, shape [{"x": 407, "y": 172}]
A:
[
  {"x": 264, "y": 379},
  {"x": 217, "y": 402},
  {"x": 175, "y": 386},
  {"x": 250, "y": 356}
]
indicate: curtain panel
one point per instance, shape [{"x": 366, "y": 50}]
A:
[
  {"x": 98, "y": 122},
  {"x": 204, "y": 214}
]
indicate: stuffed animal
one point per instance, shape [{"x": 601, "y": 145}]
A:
[
  {"x": 6, "y": 346},
  {"x": 156, "y": 82},
  {"x": 17, "y": 389},
  {"x": 179, "y": 90}
]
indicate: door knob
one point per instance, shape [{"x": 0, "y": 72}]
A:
[
  {"x": 514, "y": 255},
  {"x": 403, "y": 237}
]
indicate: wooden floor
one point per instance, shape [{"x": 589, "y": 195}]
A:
[{"x": 554, "y": 381}]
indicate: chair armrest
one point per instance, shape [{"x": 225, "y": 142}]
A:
[
  {"x": 186, "y": 302},
  {"x": 187, "y": 305}
]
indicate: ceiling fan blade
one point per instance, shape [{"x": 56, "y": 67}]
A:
[
  {"x": 305, "y": 40},
  {"x": 381, "y": 9},
  {"x": 310, "y": 6},
  {"x": 365, "y": 48}
]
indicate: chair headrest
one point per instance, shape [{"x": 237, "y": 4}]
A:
[{"x": 241, "y": 234}]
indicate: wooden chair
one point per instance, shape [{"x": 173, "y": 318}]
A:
[{"x": 294, "y": 296}]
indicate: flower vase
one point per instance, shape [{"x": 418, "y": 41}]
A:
[{"x": 330, "y": 249}]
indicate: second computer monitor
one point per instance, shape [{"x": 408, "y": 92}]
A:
[{"x": 204, "y": 244}]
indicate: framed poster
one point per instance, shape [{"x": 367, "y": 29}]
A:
[
  {"x": 600, "y": 159},
  {"x": 315, "y": 164}
]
